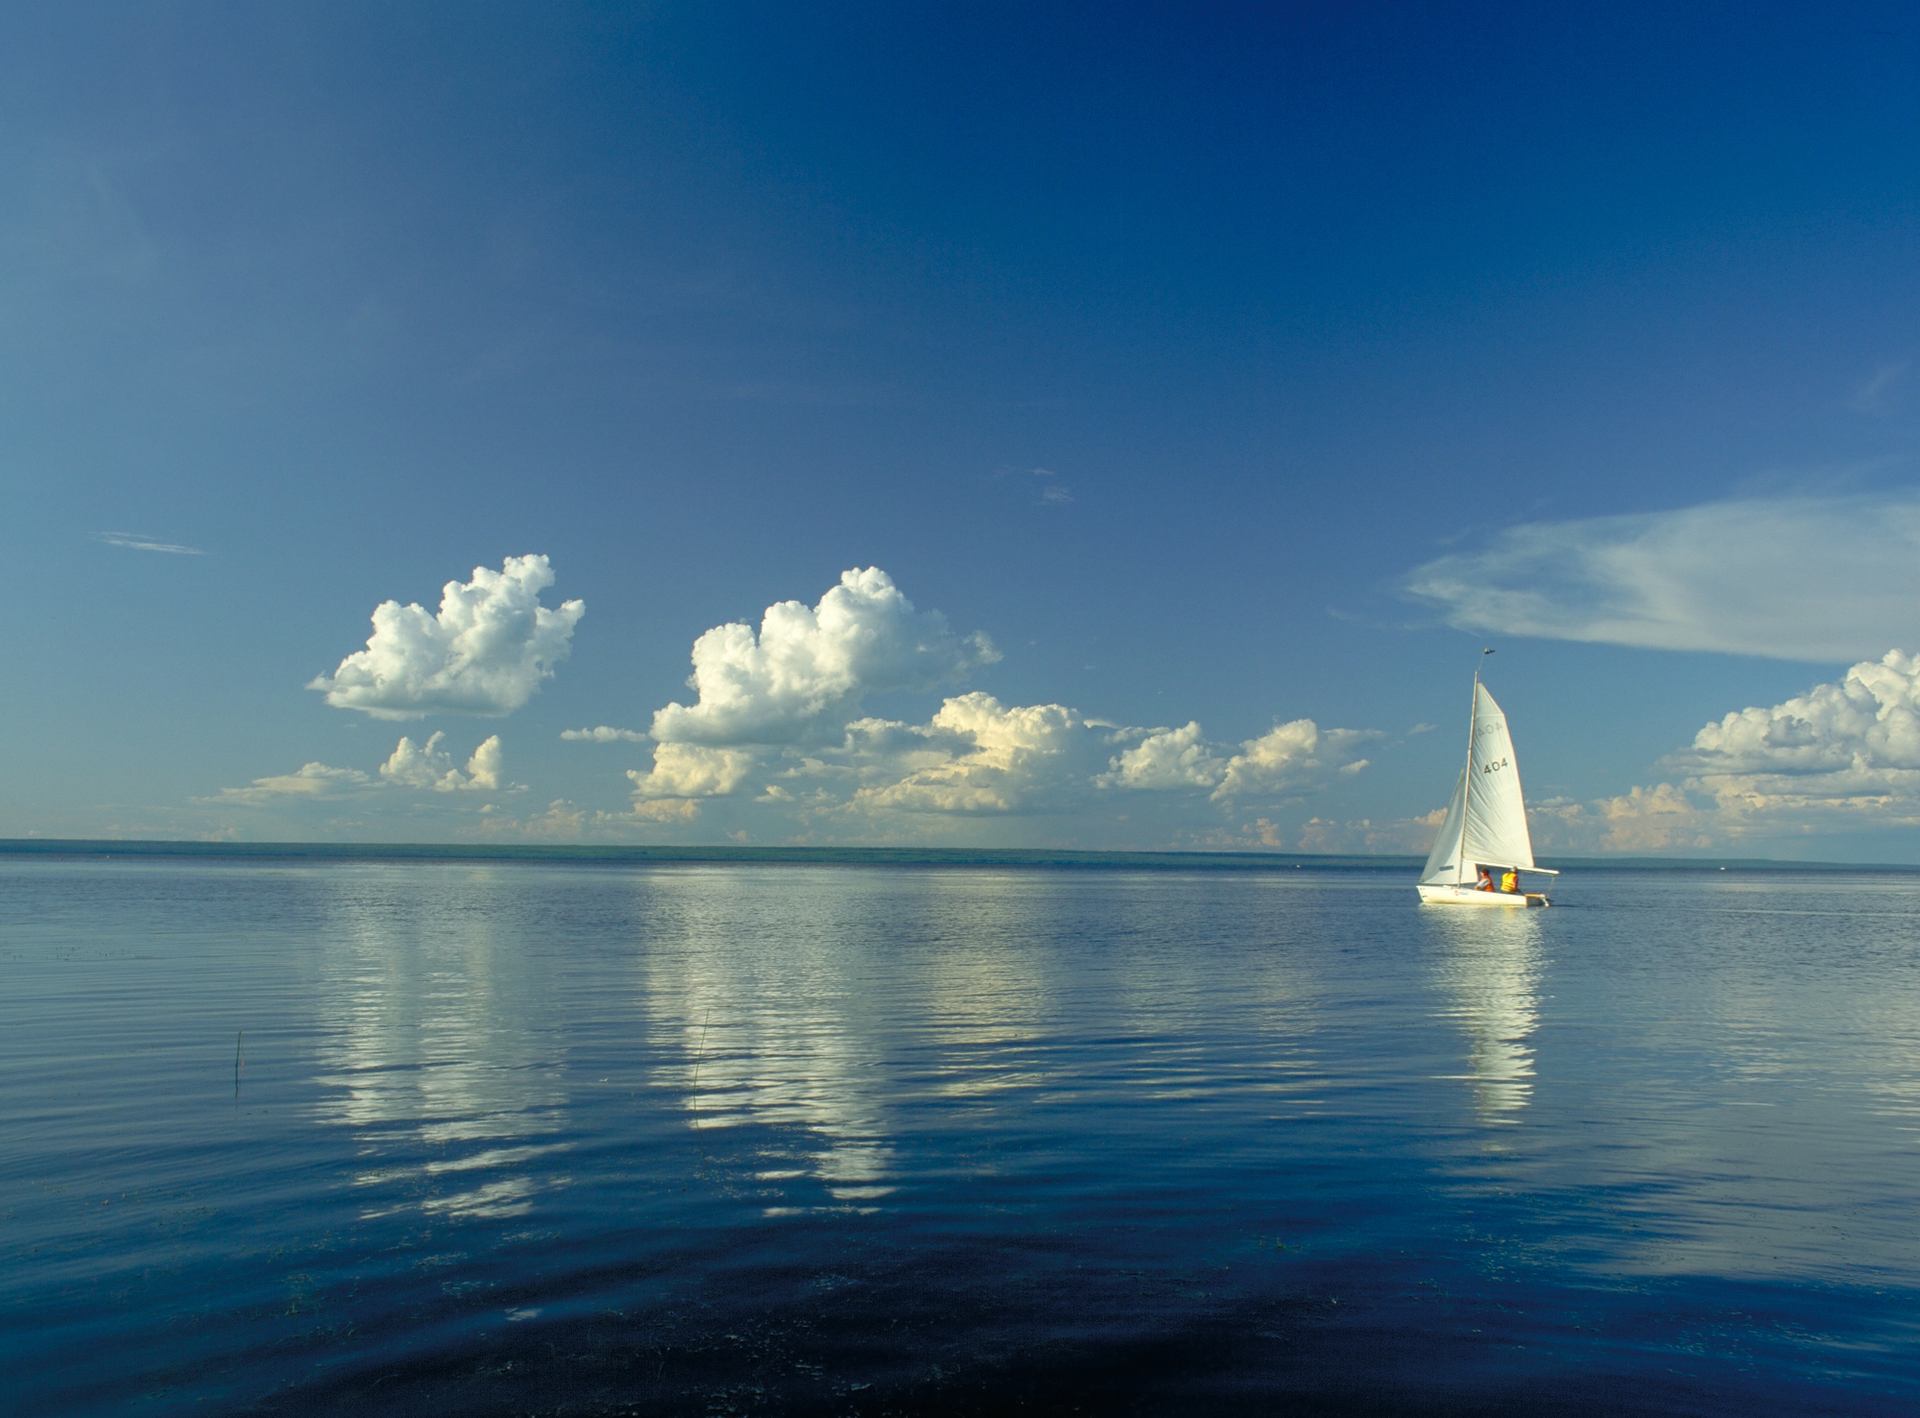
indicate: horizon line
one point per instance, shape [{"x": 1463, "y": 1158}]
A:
[{"x": 721, "y": 852}]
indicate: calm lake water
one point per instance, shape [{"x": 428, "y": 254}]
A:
[{"x": 844, "y": 1139}]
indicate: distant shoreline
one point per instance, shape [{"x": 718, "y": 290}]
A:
[{"x": 717, "y": 855}]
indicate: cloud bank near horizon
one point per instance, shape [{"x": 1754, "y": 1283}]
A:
[
  {"x": 1844, "y": 756},
  {"x": 422, "y": 767},
  {"x": 777, "y": 719}
]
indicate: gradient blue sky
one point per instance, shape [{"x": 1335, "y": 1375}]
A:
[{"x": 1233, "y": 370}]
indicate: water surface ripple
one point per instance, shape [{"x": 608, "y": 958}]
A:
[{"x": 412, "y": 1137}]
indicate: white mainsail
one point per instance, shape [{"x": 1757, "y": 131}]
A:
[{"x": 1486, "y": 821}]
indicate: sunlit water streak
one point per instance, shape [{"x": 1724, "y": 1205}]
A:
[{"x": 854, "y": 1139}]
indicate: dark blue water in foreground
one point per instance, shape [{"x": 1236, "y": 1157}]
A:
[{"x": 843, "y": 1139}]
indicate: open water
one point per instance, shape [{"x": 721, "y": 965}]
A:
[{"x": 410, "y": 1137}]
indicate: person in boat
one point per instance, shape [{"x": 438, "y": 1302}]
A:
[
  {"x": 1486, "y": 881},
  {"x": 1510, "y": 881}
]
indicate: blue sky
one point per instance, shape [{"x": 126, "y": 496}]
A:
[{"x": 1204, "y": 391}]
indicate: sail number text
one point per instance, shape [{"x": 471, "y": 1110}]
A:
[{"x": 1494, "y": 767}]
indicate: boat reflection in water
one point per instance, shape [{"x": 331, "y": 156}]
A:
[{"x": 1487, "y": 968}]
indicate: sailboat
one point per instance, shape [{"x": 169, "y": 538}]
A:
[{"x": 1483, "y": 836}]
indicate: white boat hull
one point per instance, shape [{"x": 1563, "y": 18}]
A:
[{"x": 1473, "y": 896}]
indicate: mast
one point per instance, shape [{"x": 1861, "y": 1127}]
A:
[{"x": 1466, "y": 776}]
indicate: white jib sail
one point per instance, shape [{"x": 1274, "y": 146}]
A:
[
  {"x": 1443, "y": 862},
  {"x": 1486, "y": 821}
]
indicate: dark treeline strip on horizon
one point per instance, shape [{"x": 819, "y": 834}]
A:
[{"x": 851, "y": 856}]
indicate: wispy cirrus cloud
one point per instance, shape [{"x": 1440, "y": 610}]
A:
[
  {"x": 1815, "y": 578},
  {"x": 1881, "y": 390},
  {"x": 306, "y": 784},
  {"x": 140, "y": 541}
]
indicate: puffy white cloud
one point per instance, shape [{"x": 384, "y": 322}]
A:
[
  {"x": 486, "y": 652},
  {"x": 1869, "y": 719},
  {"x": 429, "y": 766},
  {"x": 1292, "y": 757},
  {"x": 1851, "y": 747},
  {"x": 312, "y": 780},
  {"x": 776, "y": 719},
  {"x": 1842, "y": 757},
  {"x": 685, "y": 770},
  {"x": 1792, "y": 578},
  {"x": 1167, "y": 759},
  {"x": 809, "y": 664},
  {"x": 604, "y": 733},
  {"x": 1287, "y": 759},
  {"x": 985, "y": 757},
  {"x": 978, "y": 756}
]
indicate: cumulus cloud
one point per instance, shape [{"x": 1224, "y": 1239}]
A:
[
  {"x": 776, "y": 720},
  {"x": 485, "y": 652},
  {"x": 424, "y": 767},
  {"x": 1791, "y": 578},
  {"x": 1851, "y": 746},
  {"x": 808, "y": 666},
  {"x": 1843, "y": 756},
  {"x": 429, "y": 766},
  {"x": 1286, "y": 760},
  {"x": 979, "y": 756},
  {"x": 685, "y": 770},
  {"x": 987, "y": 757},
  {"x": 1867, "y": 720},
  {"x": 1291, "y": 757},
  {"x": 1167, "y": 759}
]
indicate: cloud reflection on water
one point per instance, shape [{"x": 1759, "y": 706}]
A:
[
  {"x": 853, "y": 1018},
  {"x": 432, "y": 1047},
  {"x": 754, "y": 982}
]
